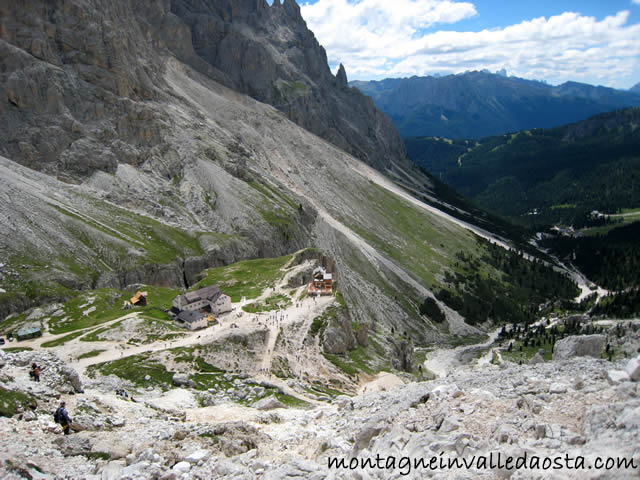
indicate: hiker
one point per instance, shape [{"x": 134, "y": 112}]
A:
[
  {"x": 34, "y": 373},
  {"x": 62, "y": 417}
]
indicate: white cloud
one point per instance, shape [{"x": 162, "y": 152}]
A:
[{"x": 378, "y": 38}]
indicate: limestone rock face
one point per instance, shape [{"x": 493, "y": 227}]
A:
[
  {"x": 270, "y": 54},
  {"x": 402, "y": 355},
  {"x": 87, "y": 74},
  {"x": 338, "y": 336},
  {"x": 579, "y": 346},
  {"x": 73, "y": 378}
]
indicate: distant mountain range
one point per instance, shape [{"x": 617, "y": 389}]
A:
[
  {"x": 542, "y": 176},
  {"x": 480, "y": 104}
]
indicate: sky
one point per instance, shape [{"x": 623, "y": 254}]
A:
[{"x": 590, "y": 41}]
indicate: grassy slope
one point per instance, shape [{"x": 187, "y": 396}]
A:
[{"x": 247, "y": 278}]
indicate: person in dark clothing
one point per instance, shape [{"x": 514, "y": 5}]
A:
[
  {"x": 64, "y": 419},
  {"x": 34, "y": 373}
]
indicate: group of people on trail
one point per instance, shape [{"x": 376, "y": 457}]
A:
[
  {"x": 61, "y": 414},
  {"x": 121, "y": 392}
]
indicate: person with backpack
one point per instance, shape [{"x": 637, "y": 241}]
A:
[
  {"x": 34, "y": 373},
  {"x": 62, "y": 417}
]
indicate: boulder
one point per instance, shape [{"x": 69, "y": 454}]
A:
[
  {"x": 71, "y": 445},
  {"x": 140, "y": 470},
  {"x": 633, "y": 369},
  {"x": 73, "y": 378},
  {"x": 268, "y": 403},
  {"x": 558, "y": 388},
  {"x": 198, "y": 456},
  {"x": 343, "y": 401},
  {"x": 180, "y": 379},
  {"x": 113, "y": 469},
  {"x": 366, "y": 433},
  {"x": 629, "y": 419},
  {"x": 506, "y": 434},
  {"x": 182, "y": 467},
  {"x": 537, "y": 358},
  {"x": 579, "y": 346},
  {"x": 617, "y": 376}
]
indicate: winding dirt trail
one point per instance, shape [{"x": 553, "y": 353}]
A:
[{"x": 444, "y": 360}]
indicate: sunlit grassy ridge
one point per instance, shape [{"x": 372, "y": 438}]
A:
[{"x": 247, "y": 278}]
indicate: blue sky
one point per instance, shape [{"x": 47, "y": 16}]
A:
[{"x": 596, "y": 42}]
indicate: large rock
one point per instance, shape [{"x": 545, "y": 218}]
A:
[
  {"x": 617, "y": 376},
  {"x": 268, "y": 403},
  {"x": 633, "y": 369},
  {"x": 198, "y": 456},
  {"x": 537, "y": 358},
  {"x": 181, "y": 379},
  {"x": 338, "y": 335},
  {"x": 579, "y": 346},
  {"x": 73, "y": 444},
  {"x": 113, "y": 469},
  {"x": 73, "y": 378}
]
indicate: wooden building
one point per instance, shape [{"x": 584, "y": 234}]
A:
[
  {"x": 321, "y": 282},
  {"x": 208, "y": 299},
  {"x": 192, "y": 319}
]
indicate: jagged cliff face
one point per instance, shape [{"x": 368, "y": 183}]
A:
[
  {"x": 271, "y": 55},
  {"x": 90, "y": 74}
]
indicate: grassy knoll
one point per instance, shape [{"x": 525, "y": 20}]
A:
[
  {"x": 247, "y": 278},
  {"x": 134, "y": 369},
  {"x": 419, "y": 241},
  {"x": 95, "y": 307},
  {"x": 10, "y": 401},
  {"x": 274, "y": 302}
]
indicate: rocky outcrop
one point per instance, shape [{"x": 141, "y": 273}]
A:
[
  {"x": 579, "y": 346},
  {"x": 341, "y": 77},
  {"x": 338, "y": 334},
  {"x": 633, "y": 369},
  {"x": 402, "y": 355}
]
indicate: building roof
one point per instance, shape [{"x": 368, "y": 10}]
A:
[
  {"x": 138, "y": 297},
  {"x": 28, "y": 330},
  {"x": 190, "y": 316},
  {"x": 319, "y": 270},
  {"x": 207, "y": 293}
]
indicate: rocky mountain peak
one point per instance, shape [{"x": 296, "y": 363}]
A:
[{"x": 341, "y": 76}]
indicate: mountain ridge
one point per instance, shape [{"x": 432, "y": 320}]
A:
[{"x": 480, "y": 104}]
